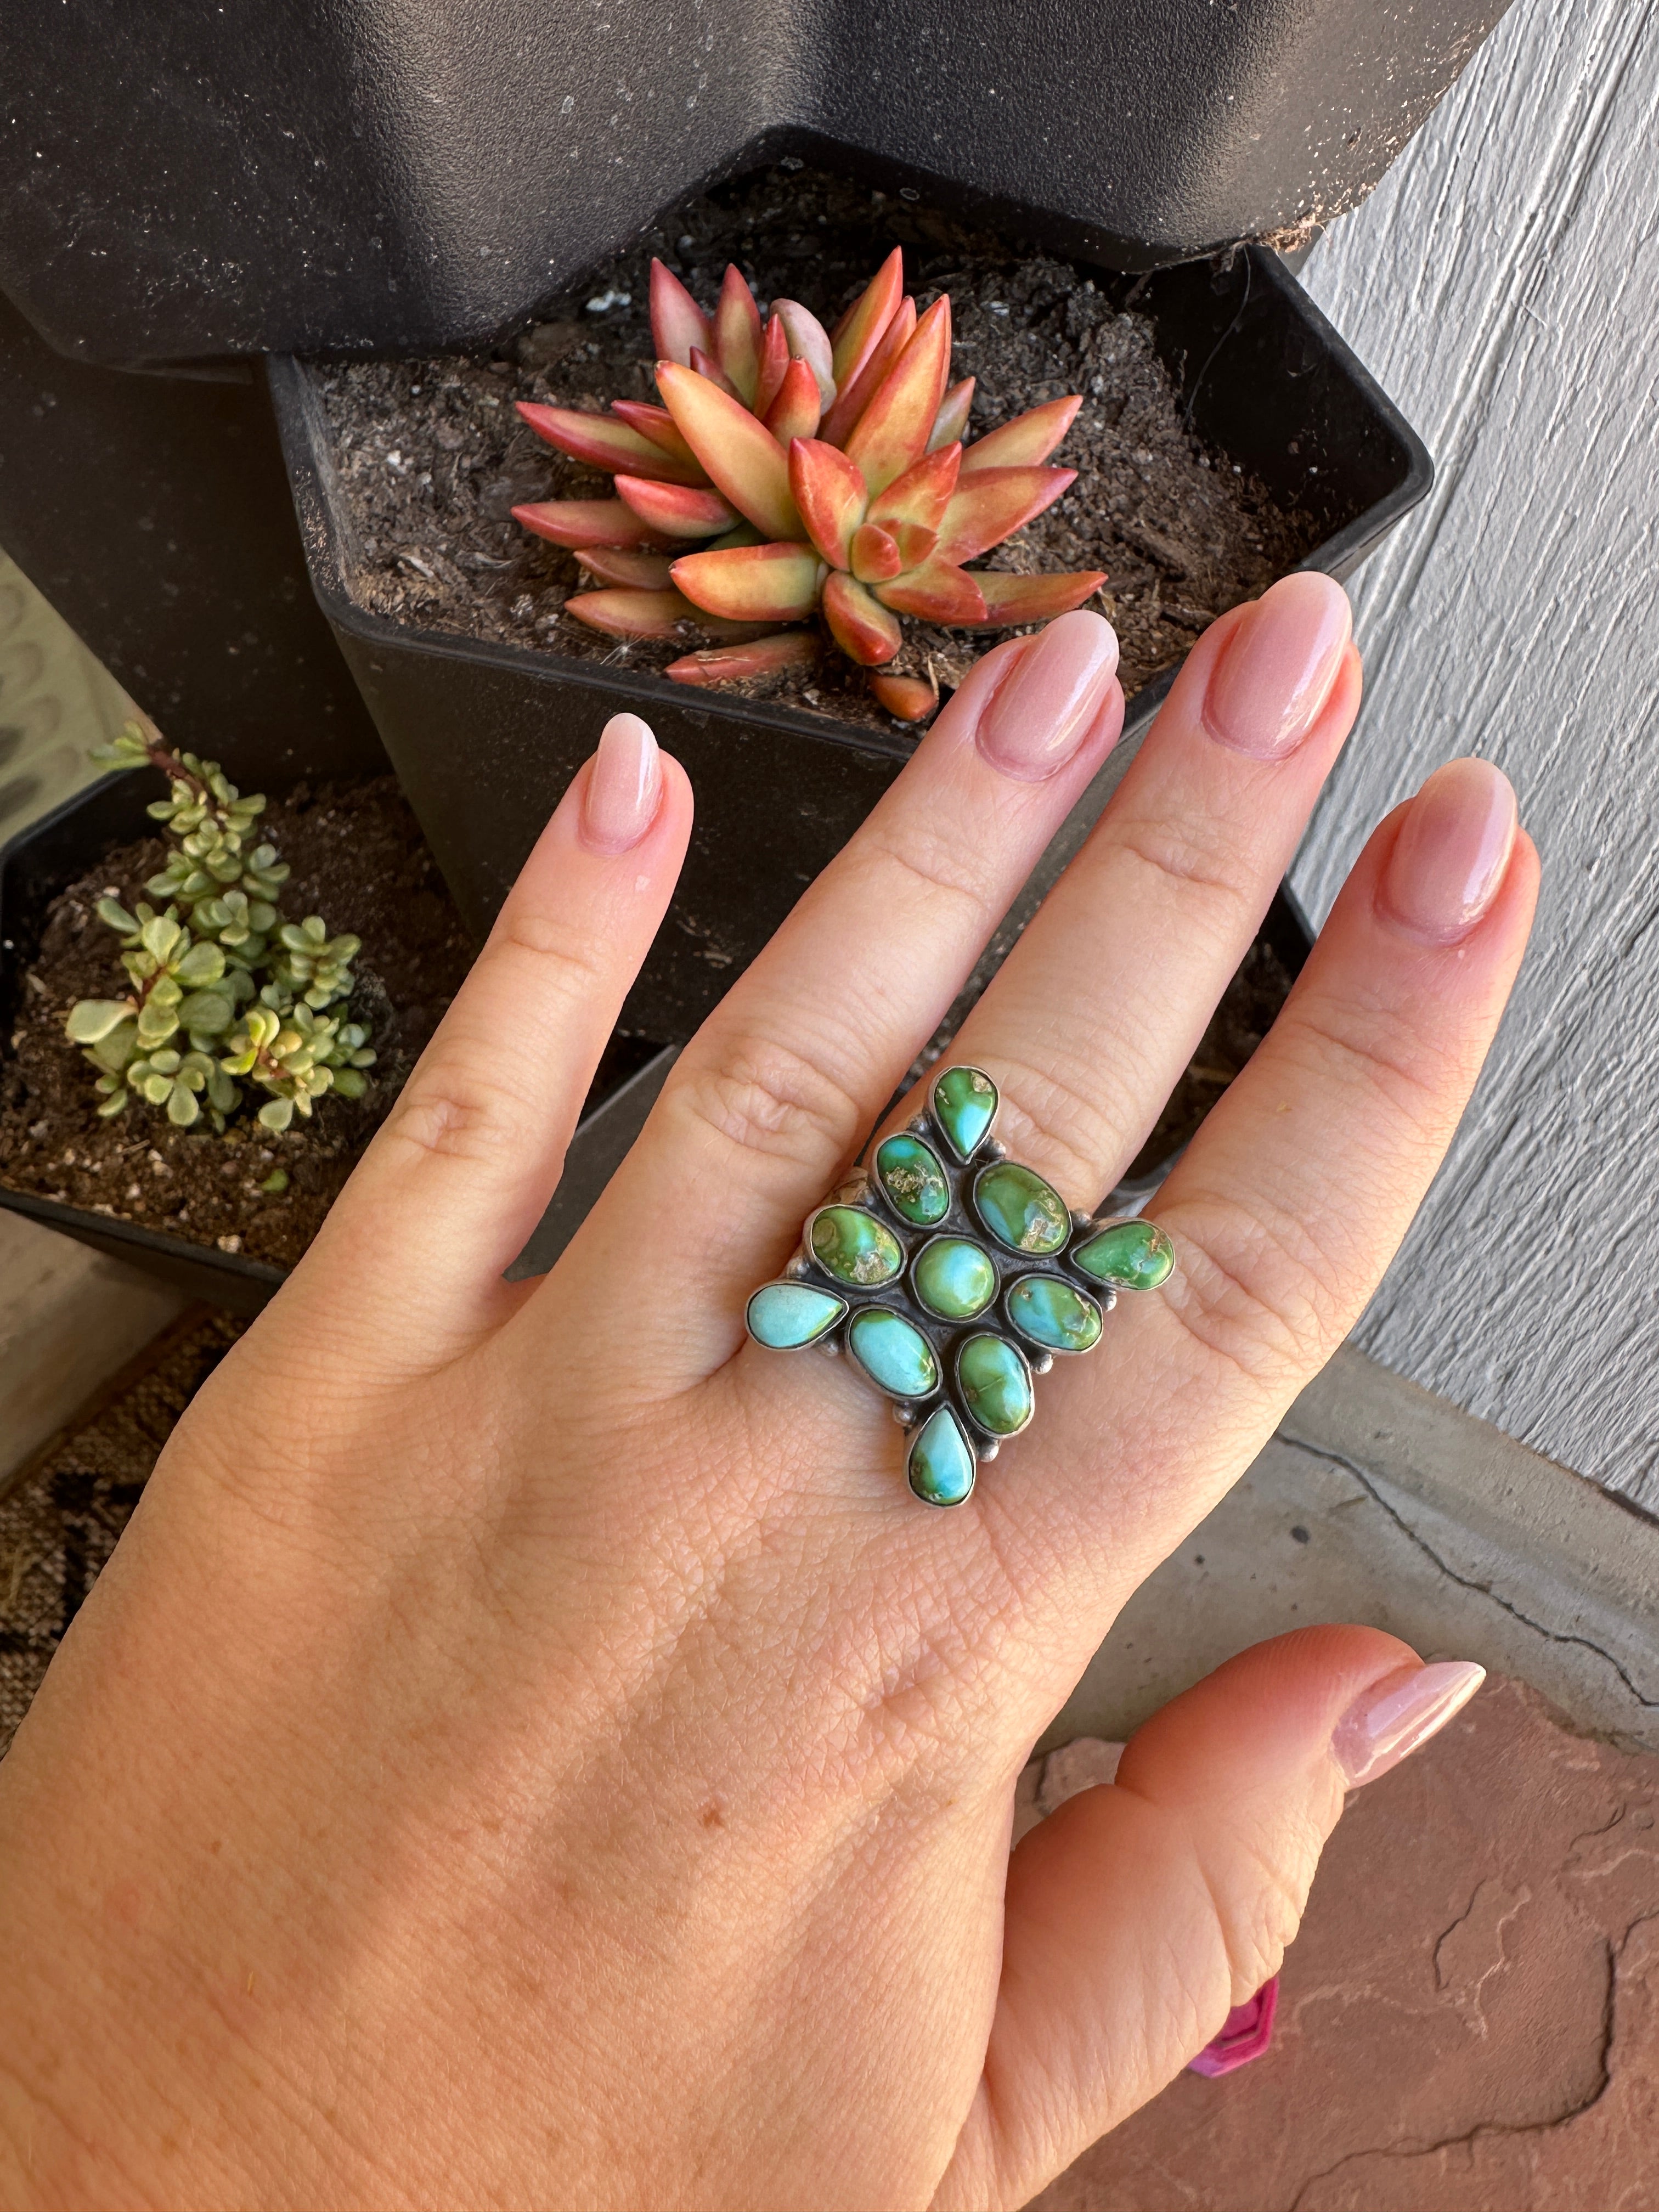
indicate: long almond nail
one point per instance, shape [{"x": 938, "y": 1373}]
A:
[
  {"x": 1042, "y": 711},
  {"x": 624, "y": 786},
  {"x": 1266, "y": 692},
  {"x": 1452, "y": 851},
  {"x": 1391, "y": 1719}
]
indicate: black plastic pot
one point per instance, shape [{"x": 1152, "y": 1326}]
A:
[
  {"x": 486, "y": 736},
  {"x": 292, "y": 175},
  {"x": 49, "y": 854}
]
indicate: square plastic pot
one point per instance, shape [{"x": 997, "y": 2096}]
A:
[{"x": 486, "y": 737}]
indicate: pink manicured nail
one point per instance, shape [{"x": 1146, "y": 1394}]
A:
[
  {"x": 624, "y": 786},
  {"x": 1391, "y": 1719},
  {"x": 1042, "y": 711},
  {"x": 1275, "y": 674},
  {"x": 1452, "y": 851}
]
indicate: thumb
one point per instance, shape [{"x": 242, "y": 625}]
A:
[{"x": 1143, "y": 1909}]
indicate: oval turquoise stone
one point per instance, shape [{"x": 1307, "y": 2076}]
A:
[
  {"x": 942, "y": 1465},
  {"x": 996, "y": 1384},
  {"x": 909, "y": 1173},
  {"x": 854, "y": 1246},
  {"x": 893, "y": 1352},
  {"x": 1128, "y": 1255},
  {"x": 1048, "y": 1312},
  {"x": 1019, "y": 1209},
  {"x": 955, "y": 1277},
  {"x": 964, "y": 1103},
  {"x": 785, "y": 1315}
]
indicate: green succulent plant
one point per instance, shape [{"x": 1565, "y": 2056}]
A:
[{"x": 220, "y": 990}]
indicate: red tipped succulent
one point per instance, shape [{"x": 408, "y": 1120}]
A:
[{"x": 791, "y": 474}]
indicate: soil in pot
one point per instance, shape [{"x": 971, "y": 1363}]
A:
[
  {"x": 359, "y": 859},
  {"x": 432, "y": 456}
]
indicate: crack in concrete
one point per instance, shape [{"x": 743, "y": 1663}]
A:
[{"x": 1466, "y": 1582}]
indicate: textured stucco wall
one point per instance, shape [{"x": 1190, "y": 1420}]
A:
[{"x": 1503, "y": 284}]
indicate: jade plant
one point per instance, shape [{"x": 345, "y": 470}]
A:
[
  {"x": 221, "y": 991},
  {"x": 793, "y": 474}
]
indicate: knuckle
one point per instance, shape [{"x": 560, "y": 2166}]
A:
[
  {"x": 563, "y": 961},
  {"x": 928, "y": 865},
  {"x": 1374, "y": 1048},
  {"x": 768, "y": 1099},
  {"x": 453, "y": 1109},
  {"x": 1255, "y": 1293},
  {"x": 1258, "y": 1894},
  {"x": 1190, "y": 856}
]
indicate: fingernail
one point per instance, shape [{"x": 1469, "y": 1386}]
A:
[
  {"x": 624, "y": 786},
  {"x": 1400, "y": 1713},
  {"x": 1042, "y": 711},
  {"x": 1275, "y": 674},
  {"x": 1452, "y": 851}
]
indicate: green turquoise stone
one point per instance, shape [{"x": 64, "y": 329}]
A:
[
  {"x": 854, "y": 1246},
  {"x": 1019, "y": 1209},
  {"x": 893, "y": 1352},
  {"x": 964, "y": 1103},
  {"x": 954, "y": 1277},
  {"x": 1129, "y": 1256},
  {"x": 941, "y": 1460},
  {"x": 910, "y": 1174},
  {"x": 1048, "y": 1312},
  {"x": 785, "y": 1315},
  {"x": 996, "y": 1383}
]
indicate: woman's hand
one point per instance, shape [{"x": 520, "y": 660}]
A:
[{"x": 531, "y": 1749}]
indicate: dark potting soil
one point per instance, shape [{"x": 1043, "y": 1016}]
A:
[
  {"x": 358, "y": 859},
  {"x": 432, "y": 456}
]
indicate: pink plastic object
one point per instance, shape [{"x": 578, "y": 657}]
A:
[{"x": 1246, "y": 2034}]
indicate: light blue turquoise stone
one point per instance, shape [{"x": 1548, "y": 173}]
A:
[
  {"x": 854, "y": 1248},
  {"x": 954, "y": 1277},
  {"x": 1129, "y": 1256},
  {"x": 941, "y": 1460},
  {"x": 785, "y": 1315},
  {"x": 996, "y": 1384},
  {"x": 1020, "y": 1210},
  {"x": 910, "y": 1172},
  {"x": 964, "y": 1103},
  {"x": 893, "y": 1352},
  {"x": 1049, "y": 1312}
]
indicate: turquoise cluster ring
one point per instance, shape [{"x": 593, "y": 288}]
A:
[{"x": 951, "y": 1276}]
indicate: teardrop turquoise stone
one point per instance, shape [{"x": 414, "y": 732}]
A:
[
  {"x": 964, "y": 1102},
  {"x": 1129, "y": 1256},
  {"x": 913, "y": 1181},
  {"x": 785, "y": 1315},
  {"x": 854, "y": 1246},
  {"x": 893, "y": 1352},
  {"x": 954, "y": 1277},
  {"x": 942, "y": 1465},
  {"x": 996, "y": 1383},
  {"x": 1019, "y": 1209},
  {"x": 1048, "y": 1312}
]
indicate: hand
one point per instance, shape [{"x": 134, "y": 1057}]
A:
[{"x": 531, "y": 1749}]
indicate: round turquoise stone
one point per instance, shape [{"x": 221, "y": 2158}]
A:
[
  {"x": 854, "y": 1246},
  {"x": 1048, "y": 1312},
  {"x": 954, "y": 1277},
  {"x": 1128, "y": 1255},
  {"x": 996, "y": 1383},
  {"x": 785, "y": 1315},
  {"x": 893, "y": 1352},
  {"x": 964, "y": 1103},
  {"x": 942, "y": 1465},
  {"x": 909, "y": 1173},
  {"x": 1019, "y": 1209}
]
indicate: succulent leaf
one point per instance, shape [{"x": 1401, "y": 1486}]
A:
[
  {"x": 601, "y": 441},
  {"x": 1032, "y": 598},
  {"x": 951, "y": 423},
  {"x": 738, "y": 335},
  {"x": 742, "y": 457},
  {"x": 794, "y": 412},
  {"x": 915, "y": 544},
  {"x": 922, "y": 493},
  {"x": 831, "y": 493},
  {"x": 615, "y": 565},
  {"x": 91, "y": 1020},
  {"x": 1029, "y": 438},
  {"x": 906, "y": 698},
  {"x": 676, "y": 510},
  {"x": 990, "y": 504},
  {"x": 937, "y": 591},
  {"x": 577, "y": 523},
  {"x": 858, "y": 331},
  {"x": 773, "y": 361},
  {"x": 808, "y": 341},
  {"x": 663, "y": 614},
  {"x": 853, "y": 397},
  {"x": 706, "y": 365},
  {"x": 875, "y": 556},
  {"x": 754, "y": 583},
  {"x": 861, "y": 625},
  {"x": 678, "y": 323},
  {"x": 893, "y": 430},
  {"x": 657, "y": 424},
  {"x": 728, "y": 663}
]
